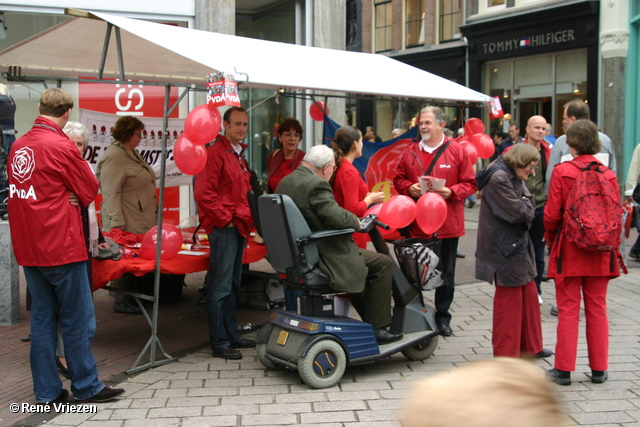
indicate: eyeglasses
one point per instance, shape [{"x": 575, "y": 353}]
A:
[
  {"x": 291, "y": 135},
  {"x": 137, "y": 133},
  {"x": 533, "y": 168},
  {"x": 334, "y": 167}
]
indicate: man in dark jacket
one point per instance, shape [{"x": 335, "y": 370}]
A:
[{"x": 347, "y": 266}]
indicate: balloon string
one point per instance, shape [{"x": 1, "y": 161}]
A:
[{"x": 264, "y": 100}]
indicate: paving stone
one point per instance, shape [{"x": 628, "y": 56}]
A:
[
  {"x": 269, "y": 419},
  {"x": 340, "y": 405},
  {"x": 222, "y": 421}
]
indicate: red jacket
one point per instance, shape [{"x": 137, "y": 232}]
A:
[
  {"x": 575, "y": 261},
  {"x": 43, "y": 168},
  {"x": 453, "y": 165},
  {"x": 349, "y": 191},
  {"x": 221, "y": 189}
]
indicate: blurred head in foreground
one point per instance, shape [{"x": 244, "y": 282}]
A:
[{"x": 501, "y": 392}]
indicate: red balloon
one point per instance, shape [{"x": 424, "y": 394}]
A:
[
  {"x": 399, "y": 211},
  {"x": 484, "y": 145},
  {"x": 375, "y": 210},
  {"x": 202, "y": 124},
  {"x": 472, "y": 152},
  {"x": 473, "y": 126},
  {"x": 432, "y": 211},
  {"x": 189, "y": 157},
  {"x": 317, "y": 110},
  {"x": 171, "y": 242}
]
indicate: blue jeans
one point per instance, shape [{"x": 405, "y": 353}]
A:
[
  {"x": 225, "y": 274},
  {"x": 68, "y": 284}
]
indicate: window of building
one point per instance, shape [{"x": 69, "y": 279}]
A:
[
  {"x": 450, "y": 19},
  {"x": 492, "y": 3},
  {"x": 383, "y": 21},
  {"x": 352, "y": 22},
  {"x": 529, "y": 86},
  {"x": 415, "y": 23}
]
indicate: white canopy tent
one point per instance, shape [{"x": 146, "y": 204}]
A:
[
  {"x": 152, "y": 53},
  {"x": 171, "y": 54}
]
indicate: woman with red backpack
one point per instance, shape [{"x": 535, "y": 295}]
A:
[{"x": 582, "y": 219}]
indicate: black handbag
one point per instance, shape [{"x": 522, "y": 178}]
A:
[{"x": 636, "y": 193}]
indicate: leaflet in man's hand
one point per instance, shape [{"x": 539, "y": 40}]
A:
[{"x": 429, "y": 183}]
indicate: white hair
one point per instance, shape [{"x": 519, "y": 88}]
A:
[
  {"x": 77, "y": 129},
  {"x": 319, "y": 156}
]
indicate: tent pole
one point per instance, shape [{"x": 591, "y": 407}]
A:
[
  {"x": 120, "y": 58},
  {"x": 105, "y": 49},
  {"x": 156, "y": 283}
]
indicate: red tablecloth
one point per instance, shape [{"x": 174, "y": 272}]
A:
[{"x": 105, "y": 271}]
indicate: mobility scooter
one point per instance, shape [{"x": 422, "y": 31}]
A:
[{"x": 314, "y": 341}]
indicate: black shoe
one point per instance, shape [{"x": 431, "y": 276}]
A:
[
  {"x": 598, "y": 377},
  {"x": 61, "y": 398},
  {"x": 243, "y": 343},
  {"x": 471, "y": 204},
  {"x": 459, "y": 255},
  {"x": 126, "y": 308},
  {"x": 635, "y": 256},
  {"x": 445, "y": 330},
  {"x": 26, "y": 339},
  {"x": 560, "y": 377},
  {"x": 545, "y": 278},
  {"x": 227, "y": 353},
  {"x": 63, "y": 370},
  {"x": 545, "y": 352},
  {"x": 554, "y": 311},
  {"x": 383, "y": 336},
  {"x": 105, "y": 395}
]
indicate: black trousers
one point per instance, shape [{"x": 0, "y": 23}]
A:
[{"x": 444, "y": 293}]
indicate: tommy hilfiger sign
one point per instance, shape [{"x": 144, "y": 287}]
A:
[{"x": 556, "y": 37}]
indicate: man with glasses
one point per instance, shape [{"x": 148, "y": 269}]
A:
[
  {"x": 347, "y": 266},
  {"x": 536, "y": 132},
  {"x": 220, "y": 191}
]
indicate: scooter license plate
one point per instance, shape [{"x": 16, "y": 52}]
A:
[{"x": 282, "y": 338}]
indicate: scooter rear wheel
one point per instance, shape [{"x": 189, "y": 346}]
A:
[
  {"x": 423, "y": 350},
  {"x": 324, "y": 364},
  {"x": 261, "y": 352}
]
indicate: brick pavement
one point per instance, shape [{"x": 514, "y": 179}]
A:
[{"x": 202, "y": 391}]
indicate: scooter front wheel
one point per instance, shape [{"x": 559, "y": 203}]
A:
[
  {"x": 324, "y": 364},
  {"x": 423, "y": 350}
]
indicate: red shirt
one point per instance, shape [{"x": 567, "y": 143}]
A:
[
  {"x": 349, "y": 190},
  {"x": 455, "y": 167},
  {"x": 44, "y": 167},
  {"x": 280, "y": 173}
]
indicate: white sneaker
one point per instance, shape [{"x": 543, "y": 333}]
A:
[{"x": 540, "y": 299}]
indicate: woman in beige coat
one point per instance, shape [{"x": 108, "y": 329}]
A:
[{"x": 128, "y": 187}]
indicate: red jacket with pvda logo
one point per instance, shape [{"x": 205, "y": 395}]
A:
[{"x": 43, "y": 168}]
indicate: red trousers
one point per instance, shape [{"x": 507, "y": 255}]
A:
[
  {"x": 517, "y": 326},
  {"x": 594, "y": 291}
]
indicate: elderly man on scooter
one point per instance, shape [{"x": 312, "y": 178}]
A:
[{"x": 347, "y": 266}]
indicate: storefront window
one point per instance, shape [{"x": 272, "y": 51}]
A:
[
  {"x": 383, "y": 21},
  {"x": 450, "y": 19},
  {"x": 415, "y": 23},
  {"x": 528, "y": 86}
]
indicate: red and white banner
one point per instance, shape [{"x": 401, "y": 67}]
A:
[{"x": 99, "y": 126}]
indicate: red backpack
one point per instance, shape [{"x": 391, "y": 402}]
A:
[{"x": 592, "y": 218}]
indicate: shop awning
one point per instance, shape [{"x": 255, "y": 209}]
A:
[{"x": 167, "y": 53}]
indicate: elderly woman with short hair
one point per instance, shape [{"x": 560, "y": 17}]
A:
[{"x": 505, "y": 254}]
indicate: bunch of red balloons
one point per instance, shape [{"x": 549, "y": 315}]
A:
[
  {"x": 200, "y": 127},
  {"x": 171, "y": 239},
  {"x": 399, "y": 211},
  {"x": 475, "y": 137}
]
